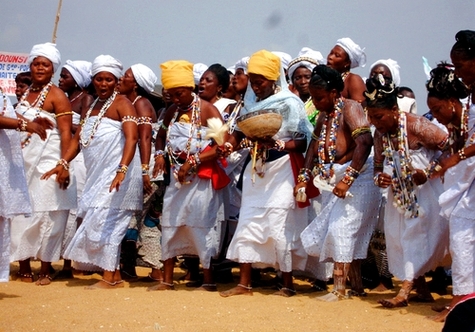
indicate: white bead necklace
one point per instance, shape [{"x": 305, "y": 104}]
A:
[{"x": 85, "y": 142}]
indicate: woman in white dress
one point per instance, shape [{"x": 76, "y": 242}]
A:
[
  {"x": 458, "y": 200},
  {"x": 189, "y": 218},
  {"x": 404, "y": 146},
  {"x": 41, "y": 235},
  {"x": 270, "y": 220},
  {"x": 112, "y": 193},
  {"x": 14, "y": 199}
]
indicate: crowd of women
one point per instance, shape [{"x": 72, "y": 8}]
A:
[{"x": 102, "y": 173}]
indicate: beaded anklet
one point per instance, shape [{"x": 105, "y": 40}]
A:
[{"x": 245, "y": 287}]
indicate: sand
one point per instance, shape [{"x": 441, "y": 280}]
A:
[{"x": 67, "y": 306}]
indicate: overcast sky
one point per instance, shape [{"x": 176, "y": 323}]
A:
[{"x": 154, "y": 31}]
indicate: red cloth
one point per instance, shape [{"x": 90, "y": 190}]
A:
[
  {"x": 212, "y": 170},
  {"x": 297, "y": 161}
]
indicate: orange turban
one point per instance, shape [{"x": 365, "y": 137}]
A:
[
  {"x": 266, "y": 64},
  {"x": 177, "y": 74}
]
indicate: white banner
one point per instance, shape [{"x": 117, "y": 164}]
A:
[{"x": 10, "y": 65}]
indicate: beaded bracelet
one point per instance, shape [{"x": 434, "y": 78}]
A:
[
  {"x": 129, "y": 118},
  {"x": 461, "y": 154},
  {"x": 159, "y": 153},
  {"x": 22, "y": 125},
  {"x": 433, "y": 167},
  {"x": 122, "y": 168},
  {"x": 245, "y": 143},
  {"x": 304, "y": 175},
  {"x": 279, "y": 145},
  {"x": 63, "y": 163},
  {"x": 192, "y": 161},
  {"x": 350, "y": 171},
  {"x": 197, "y": 159}
]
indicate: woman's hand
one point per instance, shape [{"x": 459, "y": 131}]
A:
[
  {"x": 419, "y": 177},
  {"x": 224, "y": 150},
  {"x": 159, "y": 166},
  {"x": 119, "y": 177},
  {"x": 183, "y": 172},
  {"x": 444, "y": 165},
  {"x": 147, "y": 185},
  {"x": 39, "y": 127},
  {"x": 62, "y": 176},
  {"x": 382, "y": 180},
  {"x": 341, "y": 189}
]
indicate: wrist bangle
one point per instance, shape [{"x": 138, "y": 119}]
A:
[
  {"x": 348, "y": 180},
  {"x": 304, "y": 175},
  {"x": 145, "y": 168},
  {"x": 122, "y": 168},
  {"x": 159, "y": 153},
  {"x": 192, "y": 161},
  {"x": 63, "y": 163},
  {"x": 461, "y": 154},
  {"x": 21, "y": 125}
]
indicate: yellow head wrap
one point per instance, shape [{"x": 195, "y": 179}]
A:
[
  {"x": 177, "y": 74},
  {"x": 266, "y": 64}
]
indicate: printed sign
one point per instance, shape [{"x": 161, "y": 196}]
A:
[{"x": 10, "y": 65}]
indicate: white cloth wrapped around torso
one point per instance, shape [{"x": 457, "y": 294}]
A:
[
  {"x": 102, "y": 157},
  {"x": 40, "y": 157},
  {"x": 459, "y": 192},
  {"x": 14, "y": 198},
  {"x": 416, "y": 245}
]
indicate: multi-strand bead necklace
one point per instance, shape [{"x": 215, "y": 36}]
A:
[
  {"x": 403, "y": 187},
  {"x": 84, "y": 139},
  {"x": 331, "y": 146},
  {"x": 38, "y": 104},
  {"x": 195, "y": 126}
]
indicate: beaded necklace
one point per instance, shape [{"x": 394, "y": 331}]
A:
[
  {"x": 403, "y": 187},
  {"x": 331, "y": 147},
  {"x": 38, "y": 104},
  {"x": 79, "y": 95},
  {"x": 195, "y": 126},
  {"x": 135, "y": 100},
  {"x": 471, "y": 140},
  {"x": 82, "y": 137},
  {"x": 345, "y": 75},
  {"x": 455, "y": 133},
  {"x": 4, "y": 108},
  {"x": 232, "y": 117}
]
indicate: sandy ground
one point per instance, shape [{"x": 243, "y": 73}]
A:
[{"x": 67, "y": 306}]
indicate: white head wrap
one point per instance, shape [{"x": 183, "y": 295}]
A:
[
  {"x": 307, "y": 58},
  {"x": 355, "y": 52},
  {"x": 80, "y": 71},
  {"x": 144, "y": 77},
  {"x": 49, "y": 51},
  {"x": 108, "y": 64},
  {"x": 393, "y": 68},
  {"x": 198, "y": 71},
  {"x": 231, "y": 69},
  {"x": 285, "y": 58},
  {"x": 242, "y": 64}
]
